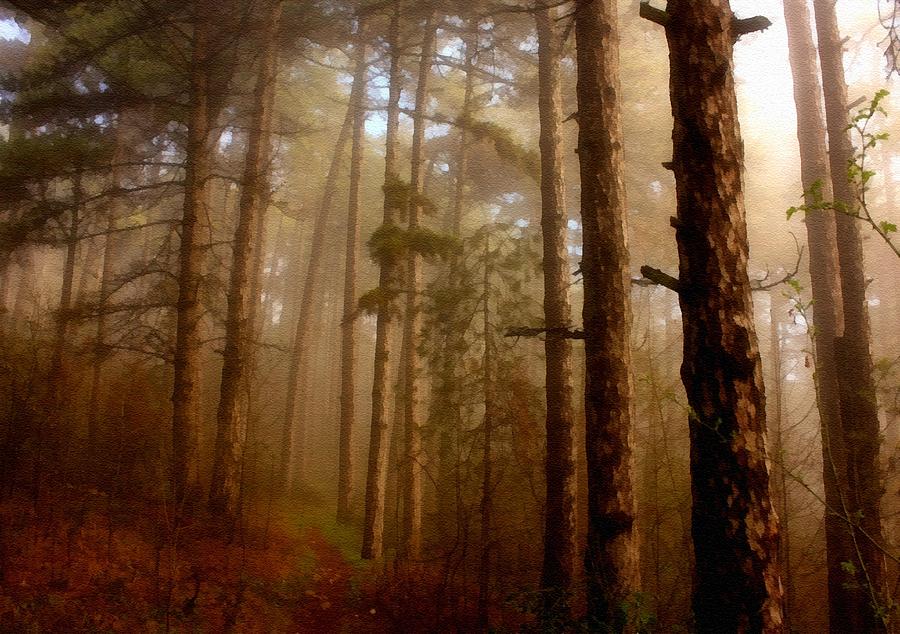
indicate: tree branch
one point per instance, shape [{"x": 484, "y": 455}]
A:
[
  {"x": 653, "y": 14},
  {"x": 562, "y": 333}
]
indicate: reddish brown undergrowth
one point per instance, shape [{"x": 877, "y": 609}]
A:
[{"x": 75, "y": 563}]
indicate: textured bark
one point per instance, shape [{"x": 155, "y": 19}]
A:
[
  {"x": 858, "y": 406},
  {"x": 846, "y": 604},
  {"x": 348, "y": 325},
  {"x": 734, "y": 525},
  {"x": 231, "y": 418},
  {"x": 293, "y": 425},
  {"x": 373, "y": 525},
  {"x": 611, "y": 557},
  {"x": 559, "y": 529},
  {"x": 411, "y": 545},
  {"x": 198, "y": 160}
]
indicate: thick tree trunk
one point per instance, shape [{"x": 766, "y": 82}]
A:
[
  {"x": 198, "y": 163},
  {"x": 559, "y": 529},
  {"x": 861, "y": 506},
  {"x": 293, "y": 425},
  {"x": 373, "y": 526},
  {"x": 411, "y": 545},
  {"x": 611, "y": 558},
  {"x": 231, "y": 418},
  {"x": 734, "y": 525},
  {"x": 348, "y": 325}
]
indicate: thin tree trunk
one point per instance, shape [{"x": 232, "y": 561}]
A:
[
  {"x": 411, "y": 544},
  {"x": 487, "y": 501},
  {"x": 293, "y": 425},
  {"x": 231, "y": 432},
  {"x": 373, "y": 526},
  {"x": 348, "y": 324},
  {"x": 448, "y": 392},
  {"x": 63, "y": 316},
  {"x": 734, "y": 525},
  {"x": 198, "y": 163},
  {"x": 779, "y": 471},
  {"x": 559, "y": 529},
  {"x": 858, "y": 404},
  {"x": 611, "y": 558}
]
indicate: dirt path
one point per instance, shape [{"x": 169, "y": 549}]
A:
[{"x": 329, "y": 606}]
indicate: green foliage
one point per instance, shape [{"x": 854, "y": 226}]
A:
[
  {"x": 375, "y": 300},
  {"x": 44, "y": 157},
  {"x": 507, "y": 148},
  {"x": 391, "y": 242}
]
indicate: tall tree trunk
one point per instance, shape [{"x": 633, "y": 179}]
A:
[
  {"x": 348, "y": 324},
  {"x": 734, "y": 525},
  {"x": 847, "y": 602},
  {"x": 411, "y": 545},
  {"x": 110, "y": 252},
  {"x": 63, "y": 316},
  {"x": 61, "y": 432},
  {"x": 487, "y": 459},
  {"x": 447, "y": 396},
  {"x": 858, "y": 405},
  {"x": 231, "y": 418},
  {"x": 198, "y": 164},
  {"x": 559, "y": 529},
  {"x": 779, "y": 471},
  {"x": 611, "y": 558},
  {"x": 373, "y": 526},
  {"x": 293, "y": 424}
]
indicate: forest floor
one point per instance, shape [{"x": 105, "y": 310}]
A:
[{"x": 76, "y": 561}]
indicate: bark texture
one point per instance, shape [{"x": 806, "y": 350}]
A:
[
  {"x": 846, "y": 604},
  {"x": 198, "y": 160},
  {"x": 376, "y": 473},
  {"x": 231, "y": 418},
  {"x": 411, "y": 546},
  {"x": 611, "y": 557},
  {"x": 348, "y": 325},
  {"x": 559, "y": 529},
  {"x": 737, "y": 585},
  {"x": 861, "y": 504}
]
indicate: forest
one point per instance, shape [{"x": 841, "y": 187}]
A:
[{"x": 469, "y": 316}]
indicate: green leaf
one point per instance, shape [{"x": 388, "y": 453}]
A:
[{"x": 887, "y": 227}]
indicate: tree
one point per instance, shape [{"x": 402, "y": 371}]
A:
[
  {"x": 293, "y": 424},
  {"x": 231, "y": 432},
  {"x": 373, "y": 526},
  {"x": 734, "y": 525},
  {"x": 611, "y": 557},
  {"x": 559, "y": 530},
  {"x": 858, "y": 404},
  {"x": 348, "y": 325},
  {"x": 411, "y": 546}
]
